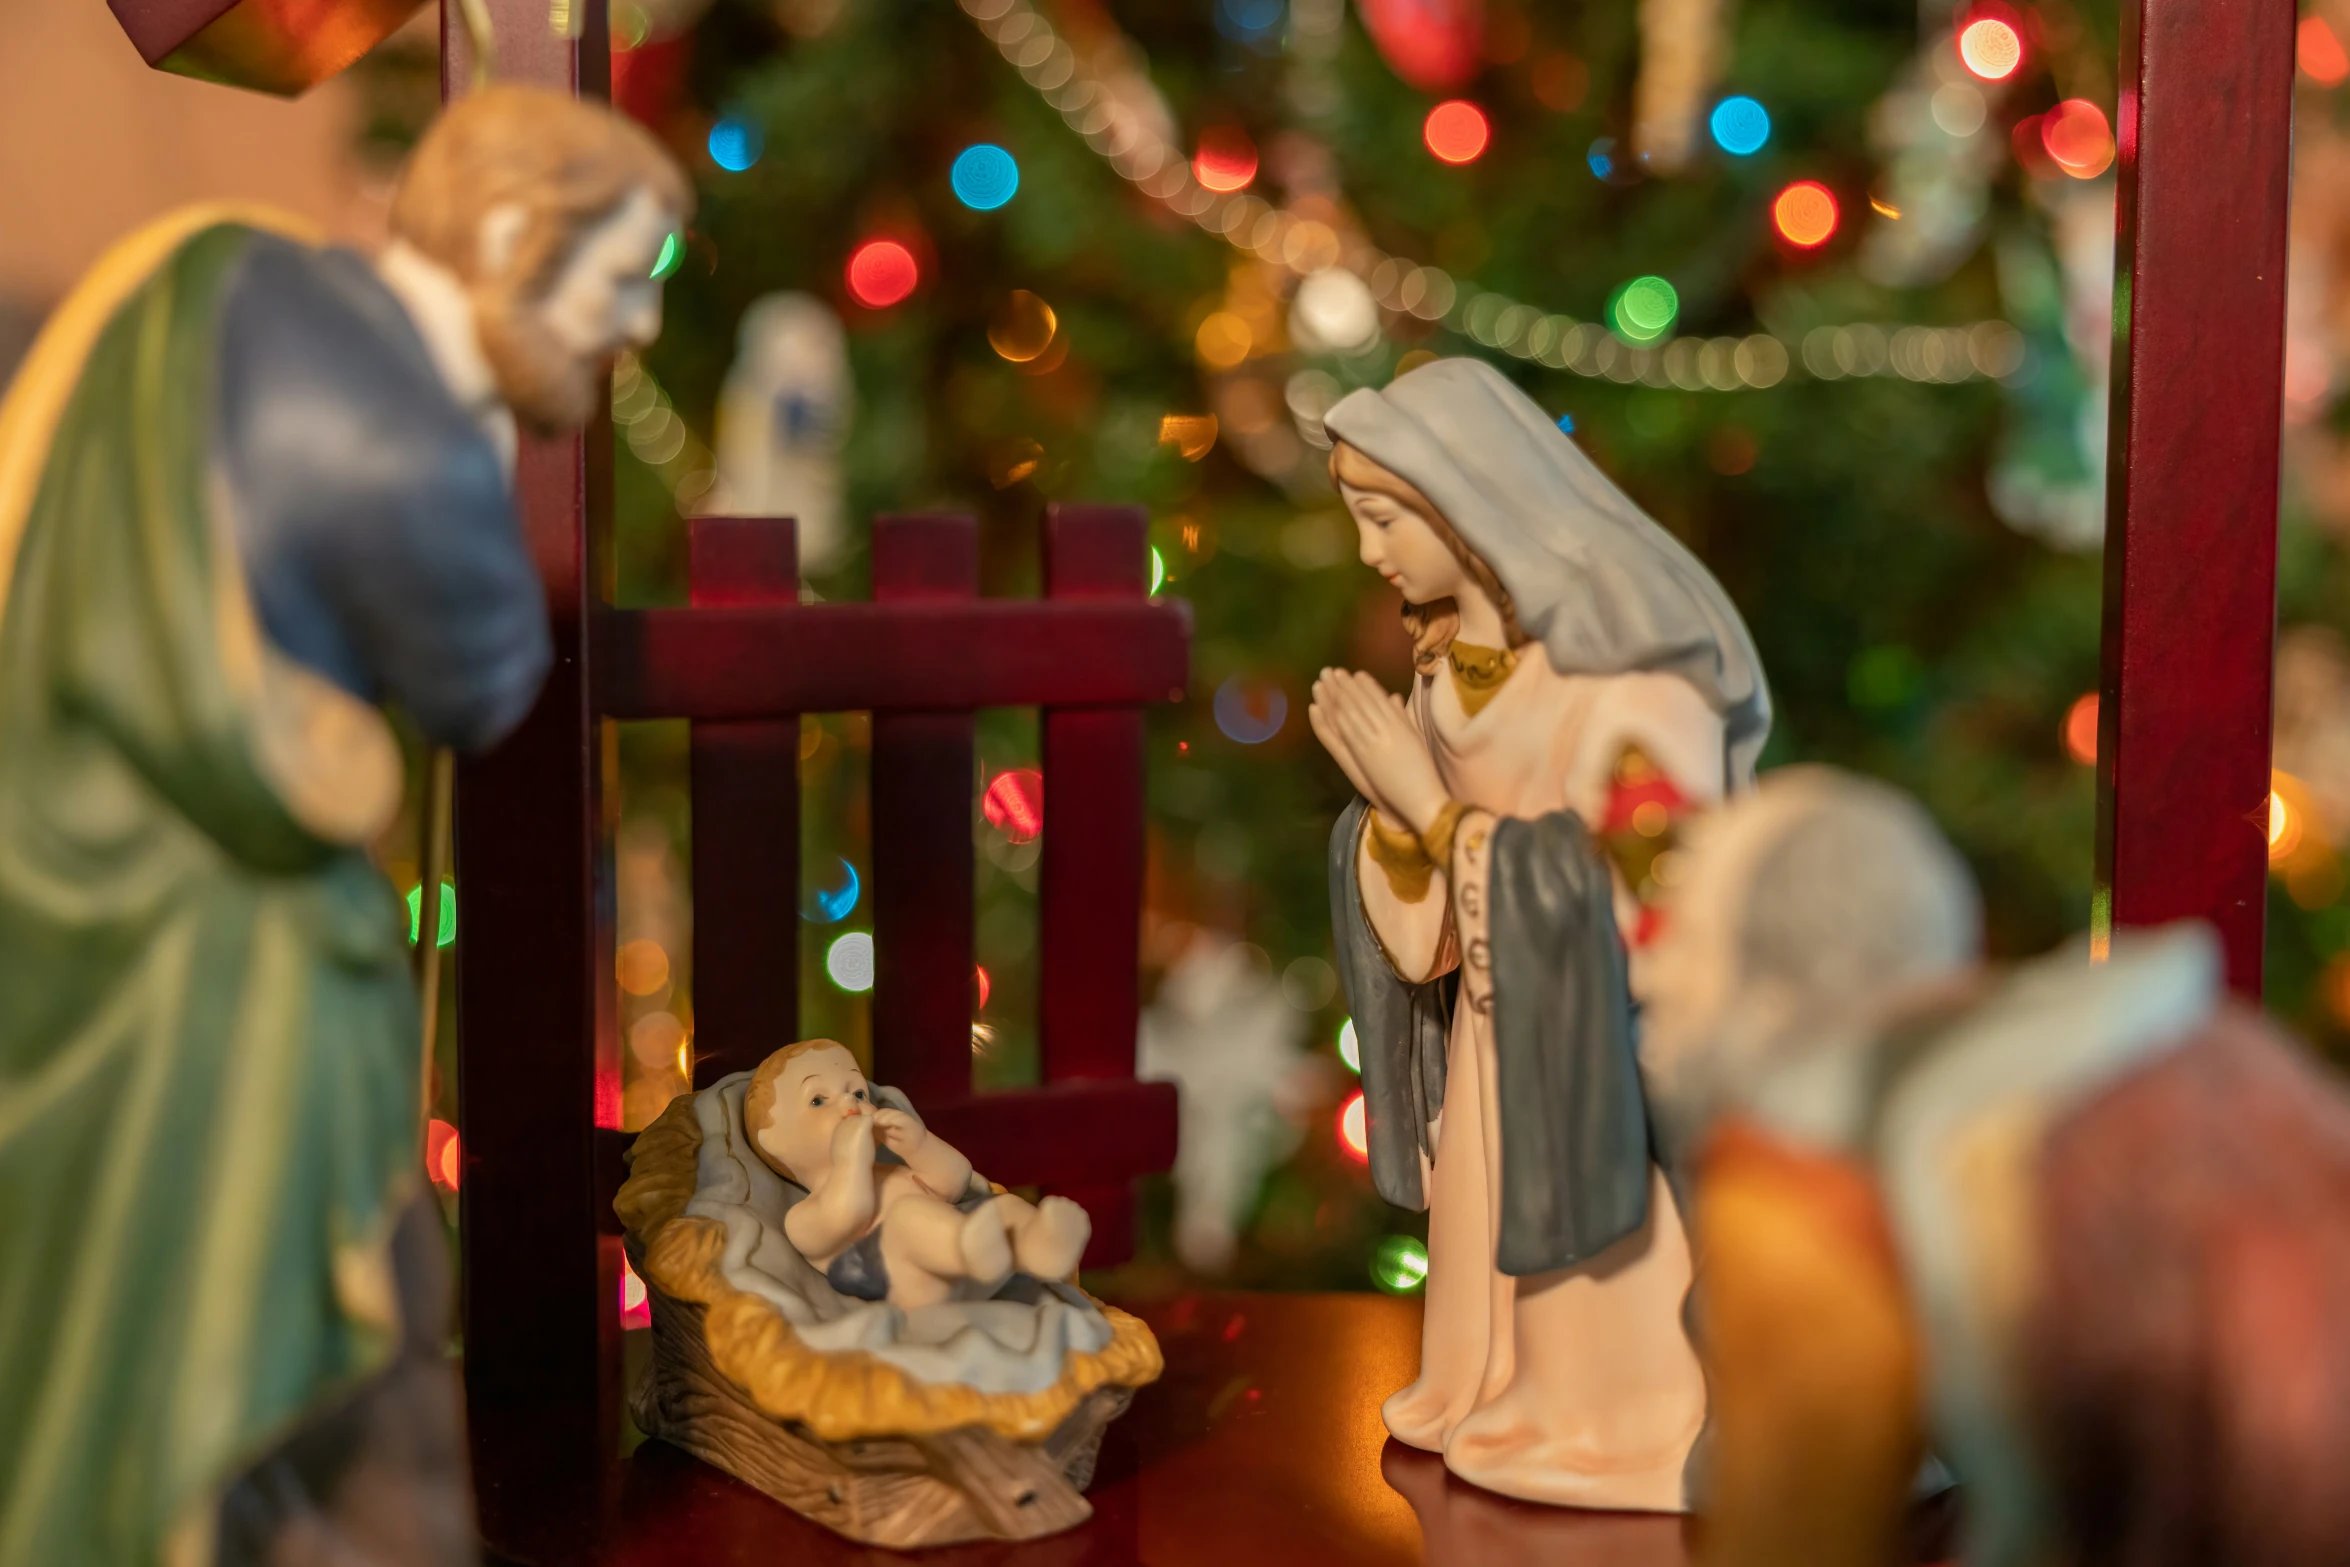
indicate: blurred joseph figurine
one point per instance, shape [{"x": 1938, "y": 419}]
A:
[
  {"x": 1575, "y": 666},
  {"x": 2083, "y": 1229},
  {"x": 249, "y": 488}
]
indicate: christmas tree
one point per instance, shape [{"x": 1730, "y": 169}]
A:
[{"x": 1824, "y": 287}]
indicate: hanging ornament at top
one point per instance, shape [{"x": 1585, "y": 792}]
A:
[
  {"x": 1434, "y": 45},
  {"x": 279, "y": 49}
]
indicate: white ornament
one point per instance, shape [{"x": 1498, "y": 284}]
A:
[
  {"x": 783, "y": 416},
  {"x": 1235, "y": 1050}
]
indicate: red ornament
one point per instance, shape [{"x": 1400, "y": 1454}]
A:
[
  {"x": 648, "y": 80},
  {"x": 1435, "y": 45}
]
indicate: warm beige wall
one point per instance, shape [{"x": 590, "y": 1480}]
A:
[{"x": 92, "y": 143}]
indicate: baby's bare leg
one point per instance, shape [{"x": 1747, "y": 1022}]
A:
[
  {"x": 929, "y": 1244},
  {"x": 1048, "y": 1238}
]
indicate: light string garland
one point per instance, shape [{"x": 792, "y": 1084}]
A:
[{"x": 1305, "y": 246}]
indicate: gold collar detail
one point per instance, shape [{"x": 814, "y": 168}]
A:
[{"x": 1478, "y": 672}]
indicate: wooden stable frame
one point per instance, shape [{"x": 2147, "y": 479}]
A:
[
  {"x": 539, "y": 1051},
  {"x": 2204, "y": 132}
]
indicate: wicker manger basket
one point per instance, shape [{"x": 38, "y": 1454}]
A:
[{"x": 845, "y": 1438}]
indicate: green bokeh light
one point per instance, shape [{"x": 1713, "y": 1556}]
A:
[
  {"x": 448, "y": 913},
  {"x": 1158, "y": 569},
  {"x": 1399, "y": 1264},
  {"x": 1644, "y": 309},
  {"x": 672, "y": 254}
]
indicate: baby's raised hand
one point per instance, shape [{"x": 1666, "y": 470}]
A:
[
  {"x": 852, "y": 1140},
  {"x": 900, "y": 1131}
]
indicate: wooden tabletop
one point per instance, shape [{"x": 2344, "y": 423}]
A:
[{"x": 1261, "y": 1445}]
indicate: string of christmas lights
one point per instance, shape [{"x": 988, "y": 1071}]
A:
[{"x": 1122, "y": 135}]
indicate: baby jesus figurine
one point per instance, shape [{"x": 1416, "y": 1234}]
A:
[{"x": 910, "y": 1223}]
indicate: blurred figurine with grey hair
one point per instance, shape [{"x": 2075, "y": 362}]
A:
[{"x": 2083, "y": 1227}]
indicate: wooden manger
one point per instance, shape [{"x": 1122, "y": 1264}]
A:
[{"x": 846, "y": 1439}]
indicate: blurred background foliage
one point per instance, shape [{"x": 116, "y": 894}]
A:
[{"x": 1912, "y": 628}]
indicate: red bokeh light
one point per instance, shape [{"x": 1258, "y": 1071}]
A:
[
  {"x": 2078, "y": 138},
  {"x": 1354, "y": 1129},
  {"x": 2029, "y": 150},
  {"x": 979, "y": 979},
  {"x": 1990, "y": 47},
  {"x": 1805, "y": 214},
  {"x": 1226, "y": 160},
  {"x": 1014, "y": 803},
  {"x": 2080, "y": 729},
  {"x": 442, "y": 1157},
  {"x": 882, "y": 272},
  {"x": 1457, "y": 131},
  {"x": 2320, "y": 53},
  {"x": 636, "y": 1307}
]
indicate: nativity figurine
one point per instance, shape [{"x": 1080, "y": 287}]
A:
[
  {"x": 1576, "y": 671},
  {"x": 915, "y": 1231},
  {"x": 848, "y": 1318},
  {"x": 2080, "y": 1230},
  {"x": 251, "y": 487}
]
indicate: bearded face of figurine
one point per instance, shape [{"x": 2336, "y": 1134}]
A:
[
  {"x": 551, "y": 214},
  {"x": 552, "y": 345}
]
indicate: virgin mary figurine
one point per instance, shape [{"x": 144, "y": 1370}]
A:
[{"x": 1566, "y": 650}]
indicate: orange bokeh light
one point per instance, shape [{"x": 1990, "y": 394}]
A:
[
  {"x": 2077, "y": 136},
  {"x": 1354, "y": 1129},
  {"x": 882, "y": 272},
  {"x": 2080, "y": 729},
  {"x": 1226, "y": 160},
  {"x": 1457, "y": 131},
  {"x": 2320, "y": 53},
  {"x": 441, "y": 1154},
  {"x": 1990, "y": 48},
  {"x": 1805, "y": 214}
]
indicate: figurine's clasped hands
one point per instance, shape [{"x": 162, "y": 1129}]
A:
[
  {"x": 1370, "y": 735},
  {"x": 900, "y": 1131}
]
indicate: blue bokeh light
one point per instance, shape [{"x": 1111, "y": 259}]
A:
[
  {"x": 831, "y": 905},
  {"x": 984, "y": 176},
  {"x": 1254, "y": 22},
  {"x": 735, "y": 143},
  {"x": 1250, "y": 713},
  {"x": 1602, "y": 157},
  {"x": 1567, "y": 424},
  {"x": 1740, "y": 126}
]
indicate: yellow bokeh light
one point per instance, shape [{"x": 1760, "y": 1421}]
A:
[
  {"x": 1022, "y": 327},
  {"x": 642, "y": 967},
  {"x": 1224, "y": 340},
  {"x": 1194, "y": 435},
  {"x": 2284, "y": 828},
  {"x": 1991, "y": 49}
]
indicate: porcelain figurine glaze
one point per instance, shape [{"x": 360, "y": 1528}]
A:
[
  {"x": 2082, "y": 1230},
  {"x": 250, "y": 487},
  {"x": 880, "y": 1340},
  {"x": 1577, "y": 672},
  {"x": 916, "y": 1231}
]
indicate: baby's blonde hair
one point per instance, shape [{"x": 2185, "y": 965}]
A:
[{"x": 759, "y": 1101}]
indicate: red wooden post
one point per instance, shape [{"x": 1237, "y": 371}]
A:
[
  {"x": 923, "y": 884},
  {"x": 1091, "y": 903},
  {"x": 538, "y": 1048},
  {"x": 746, "y": 823},
  {"x": 2205, "y": 133}
]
